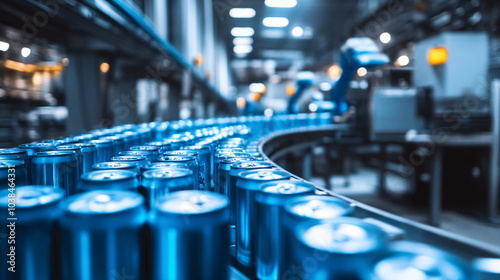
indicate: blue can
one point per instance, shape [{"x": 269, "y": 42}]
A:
[
  {"x": 154, "y": 149},
  {"x": 12, "y": 173},
  {"x": 138, "y": 160},
  {"x": 246, "y": 211},
  {"x": 270, "y": 207},
  {"x": 303, "y": 209},
  {"x": 189, "y": 233},
  {"x": 156, "y": 183},
  {"x": 117, "y": 165},
  {"x": 89, "y": 154},
  {"x": 104, "y": 149},
  {"x": 189, "y": 161},
  {"x": 234, "y": 173},
  {"x": 150, "y": 156},
  {"x": 204, "y": 165},
  {"x": 102, "y": 235},
  {"x": 109, "y": 180},
  {"x": 31, "y": 149},
  {"x": 221, "y": 184},
  {"x": 161, "y": 165},
  {"x": 56, "y": 169},
  {"x": 412, "y": 260},
  {"x": 221, "y": 156},
  {"x": 14, "y": 153},
  {"x": 118, "y": 144},
  {"x": 342, "y": 248},
  {"x": 31, "y": 230},
  {"x": 82, "y": 160}
]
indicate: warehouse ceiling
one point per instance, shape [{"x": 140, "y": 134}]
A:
[{"x": 314, "y": 29}]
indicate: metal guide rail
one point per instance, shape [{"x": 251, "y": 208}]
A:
[{"x": 202, "y": 200}]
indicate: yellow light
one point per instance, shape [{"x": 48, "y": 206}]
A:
[
  {"x": 334, "y": 71},
  {"x": 37, "y": 79},
  {"x": 241, "y": 102},
  {"x": 104, "y": 67},
  {"x": 198, "y": 60},
  {"x": 18, "y": 66},
  {"x": 255, "y": 96},
  {"x": 437, "y": 56},
  {"x": 290, "y": 90},
  {"x": 362, "y": 71}
]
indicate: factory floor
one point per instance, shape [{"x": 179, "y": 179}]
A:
[{"x": 363, "y": 188}]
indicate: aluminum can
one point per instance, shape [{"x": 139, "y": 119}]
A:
[
  {"x": 14, "y": 153},
  {"x": 204, "y": 165},
  {"x": 104, "y": 149},
  {"x": 412, "y": 260},
  {"x": 31, "y": 230},
  {"x": 109, "y": 180},
  {"x": 12, "y": 173},
  {"x": 102, "y": 235},
  {"x": 89, "y": 154},
  {"x": 190, "y": 163},
  {"x": 150, "y": 156},
  {"x": 117, "y": 165},
  {"x": 161, "y": 165},
  {"x": 154, "y": 149},
  {"x": 270, "y": 207},
  {"x": 31, "y": 149},
  {"x": 138, "y": 160},
  {"x": 247, "y": 186},
  {"x": 190, "y": 236},
  {"x": 56, "y": 169},
  {"x": 236, "y": 169},
  {"x": 221, "y": 184},
  {"x": 118, "y": 144},
  {"x": 341, "y": 248},
  {"x": 156, "y": 183}
]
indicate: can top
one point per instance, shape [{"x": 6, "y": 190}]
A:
[
  {"x": 319, "y": 207},
  {"x": 5, "y": 164},
  {"x": 103, "y": 202},
  {"x": 160, "y": 165},
  {"x": 264, "y": 175},
  {"x": 158, "y": 144},
  {"x": 286, "y": 187},
  {"x": 83, "y": 145},
  {"x": 113, "y": 165},
  {"x": 128, "y": 158},
  {"x": 68, "y": 147},
  {"x": 233, "y": 160},
  {"x": 180, "y": 153},
  {"x": 196, "y": 147},
  {"x": 191, "y": 202},
  {"x": 167, "y": 173},
  {"x": 12, "y": 151},
  {"x": 136, "y": 153},
  {"x": 54, "y": 153},
  {"x": 412, "y": 260},
  {"x": 177, "y": 158},
  {"x": 32, "y": 196},
  {"x": 108, "y": 175},
  {"x": 37, "y": 146},
  {"x": 228, "y": 155},
  {"x": 342, "y": 236},
  {"x": 145, "y": 148},
  {"x": 102, "y": 141},
  {"x": 251, "y": 165}
]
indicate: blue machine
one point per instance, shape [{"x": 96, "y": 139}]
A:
[{"x": 355, "y": 53}]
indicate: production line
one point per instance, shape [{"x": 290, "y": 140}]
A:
[{"x": 192, "y": 201}]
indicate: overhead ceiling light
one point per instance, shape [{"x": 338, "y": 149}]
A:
[
  {"x": 275, "y": 21},
  {"x": 243, "y": 41},
  {"x": 313, "y": 107},
  {"x": 242, "y": 49},
  {"x": 385, "y": 37},
  {"x": 297, "y": 31},
  {"x": 268, "y": 112},
  {"x": 4, "y": 46},
  {"x": 272, "y": 33},
  {"x": 25, "y": 52},
  {"x": 403, "y": 60},
  {"x": 104, "y": 67},
  {"x": 257, "y": 87},
  {"x": 281, "y": 3},
  {"x": 242, "y": 13},
  {"x": 242, "y": 31}
]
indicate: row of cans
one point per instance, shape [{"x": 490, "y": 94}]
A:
[{"x": 176, "y": 202}]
